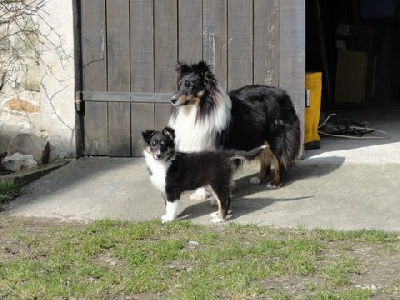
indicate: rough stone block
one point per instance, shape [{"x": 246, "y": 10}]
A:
[
  {"x": 29, "y": 77},
  {"x": 30, "y": 144},
  {"x": 18, "y": 162}
]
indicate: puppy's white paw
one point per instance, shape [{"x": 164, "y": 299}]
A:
[
  {"x": 217, "y": 220},
  {"x": 166, "y": 218},
  {"x": 255, "y": 180},
  {"x": 214, "y": 214}
]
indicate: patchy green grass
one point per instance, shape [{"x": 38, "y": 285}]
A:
[
  {"x": 8, "y": 192},
  {"x": 181, "y": 260}
]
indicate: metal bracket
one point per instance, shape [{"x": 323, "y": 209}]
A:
[
  {"x": 307, "y": 98},
  {"x": 79, "y": 102}
]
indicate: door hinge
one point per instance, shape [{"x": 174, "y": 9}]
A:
[
  {"x": 79, "y": 103},
  {"x": 307, "y": 102}
]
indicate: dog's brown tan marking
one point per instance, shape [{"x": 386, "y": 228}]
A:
[
  {"x": 188, "y": 100},
  {"x": 219, "y": 215},
  {"x": 267, "y": 158}
]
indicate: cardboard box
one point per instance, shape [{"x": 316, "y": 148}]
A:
[
  {"x": 358, "y": 38},
  {"x": 355, "y": 77},
  {"x": 382, "y": 9}
]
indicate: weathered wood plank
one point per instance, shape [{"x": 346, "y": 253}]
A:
[
  {"x": 162, "y": 112},
  {"x": 165, "y": 44},
  {"x": 94, "y": 75},
  {"x": 125, "y": 97},
  {"x": 292, "y": 53},
  {"x": 142, "y": 46},
  {"x": 119, "y": 132},
  {"x": 240, "y": 43},
  {"x": 190, "y": 31},
  {"x": 142, "y": 70},
  {"x": 118, "y": 76},
  {"x": 215, "y": 42},
  {"x": 266, "y": 42},
  {"x": 142, "y": 118}
]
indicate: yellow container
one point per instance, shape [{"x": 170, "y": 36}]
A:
[{"x": 313, "y": 110}]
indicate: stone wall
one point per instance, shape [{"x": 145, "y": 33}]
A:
[
  {"x": 19, "y": 70},
  {"x": 37, "y": 84}
]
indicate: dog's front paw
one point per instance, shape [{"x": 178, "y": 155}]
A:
[
  {"x": 255, "y": 180},
  {"x": 167, "y": 218}
]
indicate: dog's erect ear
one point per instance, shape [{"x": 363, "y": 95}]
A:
[
  {"x": 209, "y": 76},
  {"x": 182, "y": 68},
  {"x": 168, "y": 131},
  {"x": 147, "y": 134},
  {"x": 202, "y": 65},
  {"x": 204, "y": 70}
]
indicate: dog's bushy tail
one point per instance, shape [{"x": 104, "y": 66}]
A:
[
  {"x": 287, "y": 143},
  {"x": 246, "y": 155}
]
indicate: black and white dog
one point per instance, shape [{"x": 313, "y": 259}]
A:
[
  {"x": 205, "y": 117},
  {"x": 175, "y": 172}
]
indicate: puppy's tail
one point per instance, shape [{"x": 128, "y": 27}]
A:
[{"x": 246, "y": 155}]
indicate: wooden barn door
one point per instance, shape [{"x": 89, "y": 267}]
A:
[
  {"x": 128, "y": 59},
  {"x": 129, "y": 50}
]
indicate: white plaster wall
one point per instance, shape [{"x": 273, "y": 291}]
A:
[
  {"x": 57, "y": 86},
  {"x": 19, "y": 71}
]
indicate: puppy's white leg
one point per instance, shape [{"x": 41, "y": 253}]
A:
[
  {"x": 199, "y": 195},
  {"x": 171, "y": 209}
]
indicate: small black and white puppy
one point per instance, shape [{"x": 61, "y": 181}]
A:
[{"x": 174, "y": 172}]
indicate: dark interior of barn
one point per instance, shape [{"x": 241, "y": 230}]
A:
[{"x": 356, "y": 46}]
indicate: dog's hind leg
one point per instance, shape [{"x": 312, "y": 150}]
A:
[
  {"x": 276, "y": 182},
  {"x": 223, "y": 198},
  {"x": 265, "y": 167}
]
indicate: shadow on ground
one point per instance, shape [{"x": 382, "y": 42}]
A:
[{"x": 247, "y": 198}]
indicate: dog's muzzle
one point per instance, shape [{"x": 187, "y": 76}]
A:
[
  {"x": 158, "y": 155},
  {"x": 175, "y": 102}
]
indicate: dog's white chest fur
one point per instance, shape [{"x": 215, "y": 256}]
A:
[
  {"x": 158, "y": 169},
  {"x": 194, "y": 133}
]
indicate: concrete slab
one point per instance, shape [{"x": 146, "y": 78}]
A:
[
  {"x": 347, "y": 184},
  {"x": 332, "y": 194}
]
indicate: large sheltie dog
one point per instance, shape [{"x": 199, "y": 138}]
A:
[
  {"x": 205, "y": 117},
  {"x": 174, "y": 172}
]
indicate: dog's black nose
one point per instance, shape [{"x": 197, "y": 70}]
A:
[{"x": 173, "y": 100}]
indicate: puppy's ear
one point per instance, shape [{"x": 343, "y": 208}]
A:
[
  {"x": 147, "y": 134},
  {"x": 168, "y": 131}
]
